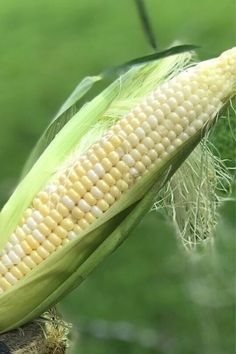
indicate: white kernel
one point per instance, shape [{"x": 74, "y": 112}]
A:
[
  {"x": 38, "y": 235},
  {"x": 10, "y": 278},
  {"x": 152, "y": 121},
  {"x": 37, "y": 216},
  {"x": 170, "y": 149},
  {"x": 148, "y": 142},
  {"x": 194, "y": 99},
  {"x": 68, "y": 202},
  {"x": 26, "y": 229},
  {"x": 96, "y": 211},
  {"x": 99, "y": 171},
  {"x": 51, "y": 188},
  {"x": 172, "y": 103},
  {"x": 140, "y": 133},
  {"x": 181, "y": 111},
  {"x": 19, "y": 251},
  {"x": 84, "y": 206},
  {"x": 71, "y": 235},
  {"x": 159, "y": 114},
  {"x": 190, "y": 131},
  {"x": 13, "y": 257},
  {"x": 95, "y": 191},
  {"x": 8, "y": 246},
  {"x": 204, "y": 117},
  {"x": 134, "y": 172},
  {"x": 128, "y": 159},
  {"x": 14, "y": 240},
  {"x": 7, "y": 261},
  {"x": 31, "y": 223},
  {"x": 165, "y": 109},
  {"x": 197, "y": 124},
  {"x": 183, "y": 136}
]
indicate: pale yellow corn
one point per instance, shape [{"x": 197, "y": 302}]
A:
[{"x": 87, "y": 187}]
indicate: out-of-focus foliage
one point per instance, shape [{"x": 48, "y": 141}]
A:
[{"x": 47, "y": 47}]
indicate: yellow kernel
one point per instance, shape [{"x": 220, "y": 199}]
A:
[
  {"x": 122, "y": 167},
  {"x": 122, "y": 185},
  {"x": 63, "y": 210},
  {"x": 73, "y": 195},
  {"x": 54, "y": 239},
  {"x": 32, "y": 242},
  {"x": 62, "y": 190},
  {"x": 44, "y": 229},
  {"x": 103, "y": 205},
  {"x": 29, "y": 262},
  {"x": 27, "y": 213},
  {"x": 73, "y": 176},
  {"x": 36, "y": 203},
  {"x": 140, "y": 167},
  {"x": 115, "y": 140},
  {"x": 15, "y": 271},
  {"x": 135, "y": 154},
  {"x": 36, "y": 257},
  {"x": 23, "y": 268},
  {"x": 79, "y": 187},
  {"x": 86, "y": 183},
  {"x": 83, "y": 223},
  {"x": 152, "y": 154},
  {"x": 4, "y": 284},
  {"x": 50, "y": 222},
  {"x": 43, "y": 196},
  {"x": 67, "y": 224},
  {"x": 134, "y": 122},
  {"x": 89, "y": 217},
  {"x": 44, "y": 209},
  {"x": 20, "y": 233},
  {"x": 77, "y": 229},
  {"x": 54, "y": 198},
  {"x": 87, "y": 165},
  {"x": 80, "y": 170},
  {"x": 128, "y": 129},
  {"x": 109, "y": 179},
  {"x": 133, "y": 139},
  {"x": 146, "y": 160},
  {"x": 108, "y": 197},
  {"x": 104, "y": 187},
  {"x": 115, "y": 173},
  {"x": 60, "y": 232},
  {"x": 114, "y": 157},
  {"x": 90, "y": 199},
  {"x": 106, "y": 164},
  {"x": 26, "y": 247},
  {"x": 77, "y": 213},
  {"x": 115, "y": 192},
  {"x": 142, "y": 149},
  {"x": 48, "y": 246},
  {"x": 65, "y": 241},
  {"x": 43, "y": 252},
  {"x": 107, "y": 146},
  {"x": 3, "y": 269},
  {"x": 100, "y": 153},
  {"x": 55, "y": 215},
  {"x": 92, "y": 157}
]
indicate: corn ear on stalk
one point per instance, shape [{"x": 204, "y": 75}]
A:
[{"x": 94, "y": 175}]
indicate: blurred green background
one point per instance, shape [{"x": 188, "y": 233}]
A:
[{"x": 47, "y": 47}]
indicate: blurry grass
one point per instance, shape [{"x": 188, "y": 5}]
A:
[{"x": 47, "y": 47}]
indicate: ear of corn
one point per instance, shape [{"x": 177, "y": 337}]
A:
[{"x": 111, "y": 177}]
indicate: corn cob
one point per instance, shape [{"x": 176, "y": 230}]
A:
[{"x": 86, "y": 186}]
